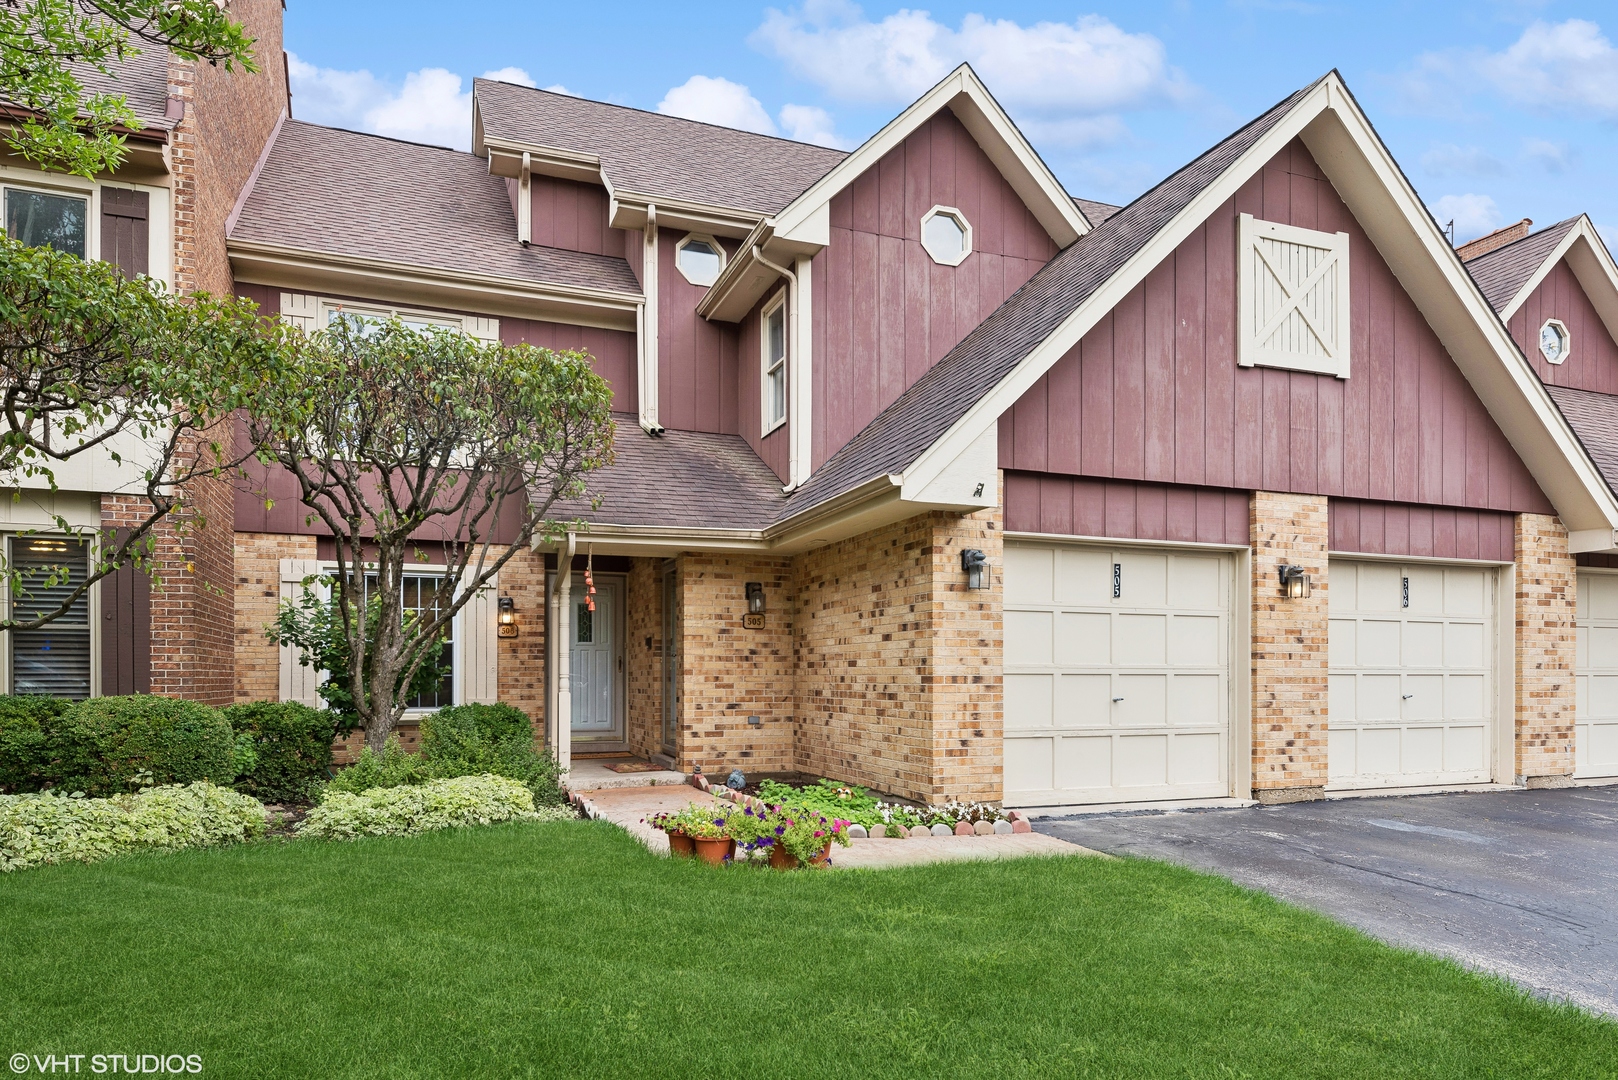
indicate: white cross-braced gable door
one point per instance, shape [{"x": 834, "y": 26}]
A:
[{"x": 1292, "y": 291}]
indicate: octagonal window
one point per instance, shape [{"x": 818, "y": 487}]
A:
[
  {"x": 947, "y": 235},
  {"x": 1554, "y": 341},
  {"x": 700, "y": 259}
]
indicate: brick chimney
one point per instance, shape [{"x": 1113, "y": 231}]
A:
[{"x": 1497, "y": 239}]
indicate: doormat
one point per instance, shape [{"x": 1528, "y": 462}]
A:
[{"x": 635, "y": 766}]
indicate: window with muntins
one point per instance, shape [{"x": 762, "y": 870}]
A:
[
  {"x": 420, "y": 600},
  {"x": 699, "y": 259},
  {"x": 773, "y": 389},
  {"x": 42, "y": 219},
  {"x": 1292, "y": 298},
  {"x": 53, "y": 659}
]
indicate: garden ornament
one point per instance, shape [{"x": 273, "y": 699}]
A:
[{"x": 736, "y": 781}]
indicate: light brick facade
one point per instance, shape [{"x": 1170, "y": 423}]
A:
[
  {"x": 1546, "y": 647},
  {"x": 521, "y": 679},
  {"x": 643, "y": 657},
  {"x": 258, "y": 594},
  {"x": 1289, "y": 649}
]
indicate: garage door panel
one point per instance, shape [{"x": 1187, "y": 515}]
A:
[
  {"x": 1427, "y": 589},
  {"x": 1598, "y": 596},
  {"x": 1603, "y": 647},
  {"x": 1028, "y": 637},
  {"x": 1423, "y": 751},
  {"x": 1380, "y": 698},
  {"x": 1423, "y": 697},
  {"x": 1603, "y": 696},
  {"x": 1377, "y": 643},
  {"x": 1341, "y": 759},
  {"x": 1144, "y": 701},
  {"x": 1464, "y": 645},
  {"x": 1465, "y": 697},
  {"x": 1421, "y": 644},
  {"x": 1378, "y": 751},
  {"x": 1341, "y": 642},
  {"x": 1196, "y": 700},
  {"x": 1465, "y": 593},
  {"x": 1140, "y": 640},
  {"x": 1377, "y": 587},
  {"x": 1083, "y": 577},
  {"x": 1464, "y": 749},
  {"x": 1600, "y": 749},
  {"x": 1596, "y": 727},
  {"x": 1340, "y": 696},
  {"x": 1195, "y": 641},
  {"x": 1160, "y": 648},
  {"x": 1084, "y": 700},
  {"x": 1028, "y": 699}
]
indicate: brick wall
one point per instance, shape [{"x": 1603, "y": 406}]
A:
[
  {"x": 899, "y": 665},
  {"x": 521, "y": 660},
  {"x": 1289, "y": 649},
  {"x": 728, "y": 673},
  {"x": 258, "y": 594},
  {"x": 643, "y": 657},
  {"x": 1546, "y": 643}
]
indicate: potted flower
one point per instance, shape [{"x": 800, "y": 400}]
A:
[
  {"x": 681, "y": 846},
  {"x": 706, "y": 825},
  {"x": 798, "y": 837}
]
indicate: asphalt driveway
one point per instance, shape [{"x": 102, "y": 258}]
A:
[{"x": 1523, "y": 883}]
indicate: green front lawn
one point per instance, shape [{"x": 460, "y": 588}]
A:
[{"x": 567, "y": 950}]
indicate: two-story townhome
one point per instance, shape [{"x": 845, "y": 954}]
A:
[
  {"x": 933, "y": 478},
  {"x": 161, "y": 215}
]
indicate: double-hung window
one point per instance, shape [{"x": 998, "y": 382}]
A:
[
  {"x": 52, "y": 659},
  {"x": 773, "y": 387},
  {"x": 420, "y": 599},
  {"x": 46, "y": 219}
]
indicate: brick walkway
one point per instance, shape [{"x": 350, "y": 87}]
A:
[{"x": 627, "y": 807}]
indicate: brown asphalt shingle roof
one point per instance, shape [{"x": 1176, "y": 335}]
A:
[
  {"x": 343, "y": 193},
  {"x": 1503, "y": 272},
  {"x": 681, "y": 479},
  {"x": 143, "y": 79},
  {"x": 1594, "y": 419},
  {"x": 922, "y": 414},
  {"x": 651, "y": 154},
  {"x": 1095, "y": 212}
]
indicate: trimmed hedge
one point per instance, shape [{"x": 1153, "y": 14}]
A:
[
  {"x": 110, "y": 745},
  {"x": 24, "y": 724},
  {"x": 292, "y": 743},
  {"x": 467, "y": 740},
  {"x": 435, "y": 804},
  {"x": 49, "y": 828}
]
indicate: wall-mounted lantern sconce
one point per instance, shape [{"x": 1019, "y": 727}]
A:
[
  {"x": 976, "y": 566},
  {"x": 755, "y": 598},
  {"x": 1294, "y": 583},
  {"x": 508, "y": 617}
]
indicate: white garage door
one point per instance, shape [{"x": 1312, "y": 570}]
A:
[
  {"x": 1597, "y": 723},
  {"x": 1412, "y": 674},
  {"x": 1117, "y": 670}
]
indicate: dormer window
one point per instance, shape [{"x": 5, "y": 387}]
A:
[
  {"x": 1554, "y": 341},
  {"x": 700, "y": 259},
  {"x": 947, "y": 235}
]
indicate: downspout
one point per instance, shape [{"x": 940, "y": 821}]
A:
[
  {"x": 564, "y": 654},
  {"x": 525, "y": 202},
  {"x": 646, "y": 326},
  {"x": 794, "y": 464}
]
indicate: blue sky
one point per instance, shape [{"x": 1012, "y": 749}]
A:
[{"x": 1497, "y": 109}]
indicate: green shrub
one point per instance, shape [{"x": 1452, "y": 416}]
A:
[
  {"x": 24, "y": 724},
  {"x": 292, "y": 744},
  {"x": 433, "y": 804},
  {"x": 49, "y": 828},
  {"x": 391, "y": 768},
  {"x": 468, "y": 740},
  {"x": 105, "y": 746}
]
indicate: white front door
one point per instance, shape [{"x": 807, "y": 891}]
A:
[
  {"x": 594, "y": 680},
  {"x": 1117, "y": 674},
  {"x": 1597, "y": 676},
  {"x": 1411, "y": 699}
]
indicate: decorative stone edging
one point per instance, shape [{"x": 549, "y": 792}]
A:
[{"x": 1016, "y": 821}]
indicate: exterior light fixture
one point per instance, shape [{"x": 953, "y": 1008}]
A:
[
  {"x": 755, "y": 598},
  {"x": 1294, "y": 583},
  {"x": 508, "y": 617},
  {"x": 976, "y": 566}
]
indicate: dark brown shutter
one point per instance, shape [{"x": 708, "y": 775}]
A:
[
  {"x": 125, "y": 230},
  {"x": 126, "y": 632}
]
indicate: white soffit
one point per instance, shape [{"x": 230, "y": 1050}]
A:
[{"x": 1376, "y": 192}]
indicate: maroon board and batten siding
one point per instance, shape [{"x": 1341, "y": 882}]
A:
[
  {"x": 774, "y": 449},
  {"x": 1592, "y": 362},
  {"x": 612, "y": 352},
  {"x": 1434, "y": 532},
  {"x": 884, "y": 312},
  {"x": 697, "y": 374},
  {"x": 1125, "y": 509},
  {"x": 1154, "y": 392}
]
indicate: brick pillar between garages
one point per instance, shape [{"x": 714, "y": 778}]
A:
[{"x": 1546, "y": 649}]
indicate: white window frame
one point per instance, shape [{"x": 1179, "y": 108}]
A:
[
  {"x": 966, "y": 234},
  {"x": 769, "y": 370},
  {"x": 719, "y": 248},
  {"x": 1567, "y": 341},
  {"x": 159, "y": 245},
  {"x": 1250, "y": 352},
  {"x": 92, "y": 609}
]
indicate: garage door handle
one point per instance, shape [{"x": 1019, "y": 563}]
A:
[
  {"x": 1409, "y": 696},
  {"x": 1116, "y": 700}
]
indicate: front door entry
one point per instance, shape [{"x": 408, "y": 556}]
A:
[{"x": 595, "y": 659}]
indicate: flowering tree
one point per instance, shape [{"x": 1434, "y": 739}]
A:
[
  {"x": 402, "y": 440},
  {"x": 47, "y": 47},
  {"x": 92, "y": 363}
]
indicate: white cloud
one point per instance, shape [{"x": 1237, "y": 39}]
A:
[
  {"x": 511, "y": 75},
  {"x": 1448, "y": 159},
  {"x": 717, "y": 101},
  {"x": 1473, "y": 215},
  {"x": 811, "y": 124},
  {"x": 429, "y": 107},
  {"x": 1048, "y": 71},
  {"x": 1553, "y": 157},
  {"x": 1552, "y": 67},
  {"x": 558, "y": 88}
]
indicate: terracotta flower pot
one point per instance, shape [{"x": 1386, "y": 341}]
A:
[
  {"x": 782, "y": 859},
  {"x": 682, "y": 846},
  {"x": 824, "y": 857},
  {"x": 715, "y": 851}
]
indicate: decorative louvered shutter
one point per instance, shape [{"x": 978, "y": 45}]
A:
[
  {"x": 1292, "y": 297},
  {"x": 298, "y": 682},
  {"x": 125, "y": 230},
  {"x": 477, "y": 648},
  {"x": 483, "y": 329},
  {"x": 301, "y": 310}
]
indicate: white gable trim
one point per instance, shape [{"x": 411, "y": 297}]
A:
[
  {"x": 1591, "y": 263},
  {"x": 966, "y": 96},
  {"x": 1404, "y": 233}
]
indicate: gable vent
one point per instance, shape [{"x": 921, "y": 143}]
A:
[{"x": 1293, "y": 298}]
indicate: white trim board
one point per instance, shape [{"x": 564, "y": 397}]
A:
[{"x": 1591, "y": 263}]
